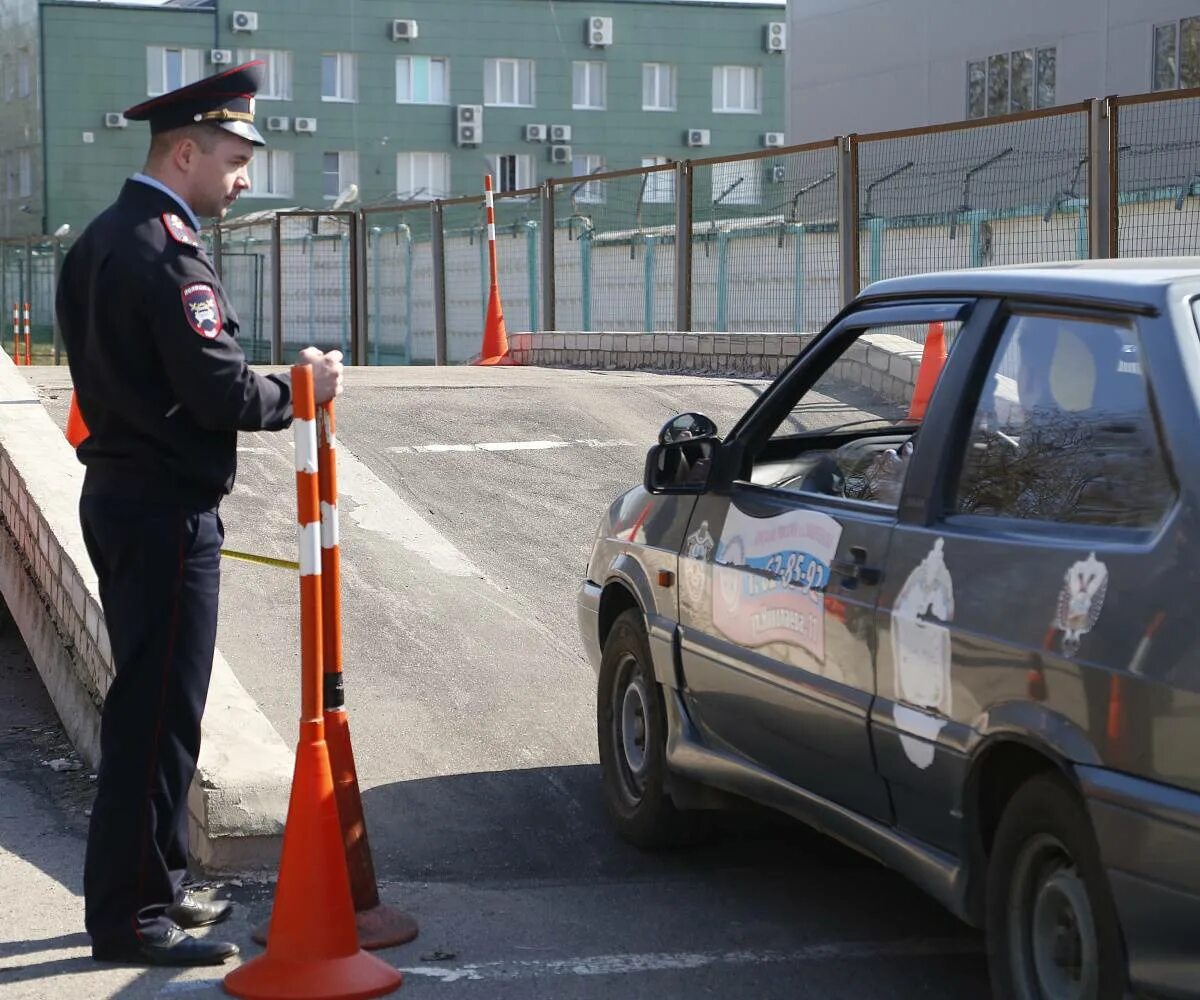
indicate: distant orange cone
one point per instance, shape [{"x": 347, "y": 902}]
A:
[
  {"x": 933, "y": 358},
  {"x": 495, "y": 336},
  {"x": 77, "y": 430}
]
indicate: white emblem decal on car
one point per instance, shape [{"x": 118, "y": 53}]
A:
[
  {"x": 1080, "y": 601},
  {"x": 921, "y": 655},
  {"x": 699, "y": 549}
]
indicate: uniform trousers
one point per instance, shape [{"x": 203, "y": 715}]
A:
[{"x": 158, "y": 566}]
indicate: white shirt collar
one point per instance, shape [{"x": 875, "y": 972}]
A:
[{"x": 155, "y": 183}]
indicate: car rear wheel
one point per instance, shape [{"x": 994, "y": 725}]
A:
[
  {"x": 1052, "y": 928},
  {"x": 632, "y": 732}
]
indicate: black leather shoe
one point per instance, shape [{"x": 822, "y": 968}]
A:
[
  {"x": 174, "y": 948},
  {"x": 191, "y": 912}
]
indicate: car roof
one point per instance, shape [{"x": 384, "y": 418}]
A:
[{"x": 1132, "y": 280}]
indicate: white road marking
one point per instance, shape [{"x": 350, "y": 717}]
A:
[
  {"x": 434, "y": 449},
  {"x": 255, "y": 451},
  {"x": 607, "y": 965}
]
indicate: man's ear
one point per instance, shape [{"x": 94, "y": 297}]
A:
[{"x": 185, "y": 154}]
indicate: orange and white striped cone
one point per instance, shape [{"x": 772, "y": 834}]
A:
[
  {"x": 16, "y": 355},
  {"x": 495, "y": 336},
  {"x": 28, "y": 356}
]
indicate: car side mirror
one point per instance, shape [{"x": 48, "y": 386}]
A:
[
  {"x": 687, "y": 427},
  {"x": 680, "y": 466}
]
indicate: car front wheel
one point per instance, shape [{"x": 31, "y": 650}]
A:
[
  {"x": 631, "y": 730},
  {"x": 1052, "y": 928}
]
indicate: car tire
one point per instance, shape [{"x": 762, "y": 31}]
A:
[
  {"x": 1052, "y": 927},
  {"x": 632, "y": 732}
]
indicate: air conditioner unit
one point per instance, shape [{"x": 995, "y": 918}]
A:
[
  {"x": 698, "y": 137},
  {"x": 278, "y": 123},
  {"x": 775, "y": 39},
  {"x": 560, "y": 154},
  {"x": 404, "y": 31},
  {"x": 598, "y": 32},
  {"x": 772, "y": 140},
  {"x": 470, "y": 114},
  {"x": 220, "y": 57},
  {"x": 469, "y": 124},
  {"x": 777, "y": 173},
  {"x": 306, "y": 125},
  {"x": 244, "y": 20},
  {"x": 535, "y": 133},
  {"x": 114, "y": 119},
  {"x": 560, "y": 133}
]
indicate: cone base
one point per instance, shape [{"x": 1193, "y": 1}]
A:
[
  {"x": 355, "y": 977},
  {"x": 503, "y": 359},
  {"x": 381, "y": 926}
]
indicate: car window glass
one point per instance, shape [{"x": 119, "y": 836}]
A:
[
  {"x": 851, "y": 434},
  {"x": 1063, "y": 430}
]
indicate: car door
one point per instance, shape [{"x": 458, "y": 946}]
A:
[
  {"x": 780, "y": 567},
  {"x": 1049, "y": 490}
]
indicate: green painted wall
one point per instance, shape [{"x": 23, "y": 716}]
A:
[{"x": 95, "y": 61}]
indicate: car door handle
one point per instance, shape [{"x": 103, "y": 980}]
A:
[{"x": 856, "y": 568}]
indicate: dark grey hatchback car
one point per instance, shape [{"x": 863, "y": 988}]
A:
[{"x": 957, "y": 630}]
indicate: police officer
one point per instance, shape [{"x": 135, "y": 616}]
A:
[{"x": 164, "y": 389}]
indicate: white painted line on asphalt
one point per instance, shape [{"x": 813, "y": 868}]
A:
[
  {"x": 375, "y": 507},
  {"x": 246, "y": 450},
  {"x": 434, "y": 449},
  {"x": 608, "y": 965}
]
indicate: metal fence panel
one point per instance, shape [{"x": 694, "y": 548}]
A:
[
  {"x": 29, "y": 275},
  {"x": 247, "y": 275},
  {"x": 1011, "y": 191},
  {"x": 518, "y": 256},
  {"x": 316, "y": 282},
  {"x": 466, "y": 277},
  {"x": 399, "y": 287},
  {"x": 1158, "y": 175},
  {"x": 765, "y": 242}
]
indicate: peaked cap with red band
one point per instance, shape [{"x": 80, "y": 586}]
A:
[{"x": 225, "y": 100}]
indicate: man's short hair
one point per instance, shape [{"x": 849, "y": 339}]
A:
[{"x": 203, "y": 135}]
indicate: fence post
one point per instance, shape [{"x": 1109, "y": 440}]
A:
[
  {"x": 218, "y": 263},
  {"x": 53, "y": 306},
  {"x": 683, "y": 247},
  {"x": 848, "y": 264},
  {"x": 549, "y": 321},
  {"x": 276, "y": 289},
  {"x": 1100, "y": 152},
  {"x": 438, "y": 249},
  {"x": 359, "y": 324}
]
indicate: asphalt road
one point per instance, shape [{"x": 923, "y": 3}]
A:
[{"x": 469, "y": 500}]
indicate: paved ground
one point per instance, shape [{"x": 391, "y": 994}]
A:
[{"x": 469, "y": 502}]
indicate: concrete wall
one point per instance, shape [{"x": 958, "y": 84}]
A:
[
  {"x": 874, "y": 65},
  {"x": 239, "y": 800},
  {"x": 20, "y": 119}
]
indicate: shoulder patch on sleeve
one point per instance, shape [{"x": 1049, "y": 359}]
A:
[
  {"x": 201, "y": 309},
  {"x": 179, "y": 230}
]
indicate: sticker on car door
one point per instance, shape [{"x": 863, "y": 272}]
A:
[{"x": 769, "y": 575}]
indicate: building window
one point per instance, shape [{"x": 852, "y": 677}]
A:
[
  {"x": 588, "y": 85},
  {"x": 422, "y": 176},
  {"x": 277, "y": 73},
  {"x": 422, "y": 80},
  {"x": 511, "y": 172},
  {"x": 9, "y": 81},
  {"x": 23, "y": 73},
  {"x": 25, "y": 171},
  {"x": 271, "y": 174},
  {"x": 508, "y": 83},
  {"x": 736, "y": 90},
  {"x": 341, "y": 170},
  {"x": 1177, "y": 54},
  {"x": 587, "y": 191},
  {"x": 658, "y": 87},
  {"x": 1011, "y": 81},
  {"x": 10, "y": 175},
  {"x": 737, "y": 183},
  {"x": 169, "y": 69},
  {"x": 659, "y": 186},
  {"x": 339, "y": 77}
]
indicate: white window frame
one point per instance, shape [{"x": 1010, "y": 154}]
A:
[
  {"x": 279, "y": 179},
  {"x": 9, "y": 162},
  {"x": 406, "y": 67},
  {"x": 595, "y": 78},
  {"x": 346, "y": 76},
  {"x": 493, "y": 72},
  {"x": 191, "y": 68},
  {"x": 1034, "y": 90},
  {"x": 522, "y": 169},
  {"x": 430, "y": 164},
  {"x": 345, "y": 174},
  {"x": 1177, "y": 24},
  {"x": 8, "y": 77},
  {"x": 24, "y": 67},
  {"x": 659, "y": 70},
  {"x": 25, "y": 172},
  {"x": 720, "y": 89},
  {"x": 588, "y": 192},
  {"x": 660, "y": 186},
  {"x": 277, "y": 74}
]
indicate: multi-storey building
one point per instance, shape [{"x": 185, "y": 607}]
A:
[{"x": 406, "y": 99}]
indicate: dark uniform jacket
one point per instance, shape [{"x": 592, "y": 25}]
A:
[{"x": 161, "y": 383}]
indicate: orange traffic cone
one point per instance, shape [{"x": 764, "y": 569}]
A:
[
  {"x": 77, "y": 430},
  {"x": 933, "y": 358},
  {"x": 495, "y": 336}
]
